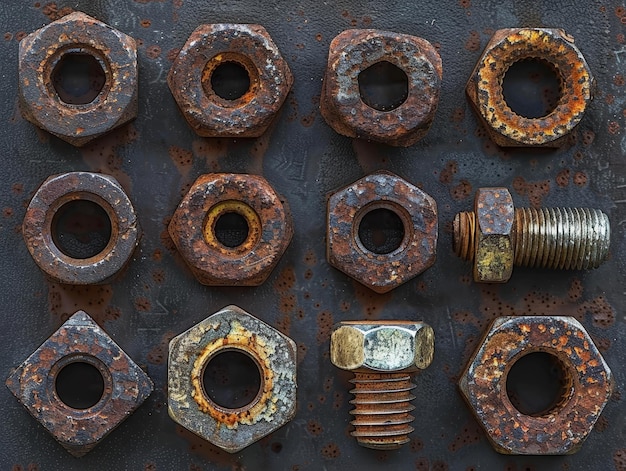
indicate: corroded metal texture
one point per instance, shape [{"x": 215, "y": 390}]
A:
[
  {"x": 78, "y": 34},
  {"x": 266, "y": 216},
  {"x": 383, "y": 355},
  {"x": 79, "y": 339},
  {"x": 39, "y": 233},
  {"x": 416, "y": 252},
  {"x": 247, "y": 45},
  {"x": 508, "y": 46},
  {"x": 275, "y": 356},
  {"x": 563, "y": 428},
  {"x": 342, "y": 106}
]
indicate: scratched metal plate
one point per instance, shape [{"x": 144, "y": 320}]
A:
[{"x": 157, "y": 157}]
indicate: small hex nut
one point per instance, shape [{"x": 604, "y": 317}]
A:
[
  {"x": 342, "y": 105},
  {"x": 560, "y": 430},
  {"x": 80, "y": 340},
  {"x": 41, "y": 234},
  {"x": 78, "y": 34},
  {"x": 244, "y": 45},
  {"x": 508, "y": 46},
  {"x": 267, "y": 217},
  {"x": 416, "y": 252},
  {"x": 230, "y": 329}
]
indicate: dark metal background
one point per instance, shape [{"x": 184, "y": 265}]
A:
[{"x": 158, "y": 156}]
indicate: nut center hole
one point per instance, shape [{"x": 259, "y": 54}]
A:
[
  {"x": 79, "y": 385},
  {"x": 81, "y": 229},
  {"x": 383, "y": 86},
  {"x": 230, "y": 80},
  {"x": 232, "y": 379},
  {"x": 531, "y": 88},
  {"x": 381, "y": 231},
  {"x": 231, "y": 229},
  {"x": 538, "y": 384},
  {"x": 78, "y": 78}
]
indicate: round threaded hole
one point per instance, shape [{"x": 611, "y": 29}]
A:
[
  {"x": 81, "y": 229},
  {"x": 79, "y": 385},
  {"x": 231, "y": 229},
  {"x": 78, "y": 78},
  {"x": 231, "y": 379},
  {"x": 531, "y": 88},
  {"x": 230, "y": 80},
  {"x": 383, "y": 86},
  {"x": 381, "y": 231}
]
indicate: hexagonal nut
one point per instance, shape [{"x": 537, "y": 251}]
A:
[
  {"x": 102, "y": 64},
  {"x": 35, "y": 383},
  {"x": 382, "y": 345},
  {"x": 344, "y": 105},
  {"x": 563, "y": 427},
  {"x": 250, "y": 52},
  {"x": 232, "y": 329},
  {"x": 493, "y": 249},
  {"x": 508, "y": 46},
  {"x": 399, "y": 201},
  {"x": 264, "y": 219},
  {"x": 81, "y": 228}
]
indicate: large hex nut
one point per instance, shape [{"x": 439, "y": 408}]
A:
[
  {"x": 416, "y": 251},
  {"x": 245, "y": 45},
  {"x": 342, "y": 106},
  {"x": 80, "y": 340},
  {"x": 268, "y": 221},
  {"x": 559, "y": 430},
  {"x": 75, "y": 35},
  {"x": 41, "y": 234},
  {"x": 275, "y": 356},
  {"x": 508, "y": 46}
]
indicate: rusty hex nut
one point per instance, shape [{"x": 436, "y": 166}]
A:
[
  {"x": 345, "y": 107},
  {"x": 105, "y": 61},
  {"x": 190, "y": 405},
  {"x": 399, "y": 200},
  {"x": 586, "y": 386},
  {"x": 242, "y": 46},
  {"x": 68, "y": 242},
  {"x": 35, "y": 383},
  {"x": 552, "y": 46}
]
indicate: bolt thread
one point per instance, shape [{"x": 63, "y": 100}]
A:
[{"x": 382, "y": 409}]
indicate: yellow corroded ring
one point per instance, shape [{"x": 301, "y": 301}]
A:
[{"x": 232, "y": 206}]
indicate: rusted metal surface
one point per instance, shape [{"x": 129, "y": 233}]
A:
[
  {"x": 80, "y": 339},
  {"x": 383, "y": 356},
  {"x": 355, "y": 50},
  {"x": 508, "y": 46},
  {"x": 249, "y": 46},
  {"x": 77, "y": 33},
  {"x": 267, "y": 217},
  {"x": 563, "y": 428},
  {"x": 275, "y": 356}
]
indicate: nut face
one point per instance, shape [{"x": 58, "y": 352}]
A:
[
  {"x": 352, "y": 52},
  {"x": 79, "y": 339},
  {"x": 77, "y": 33},
  {"x": 275, "y": 355},
  {"x": 192, "y": 229},
  {"x": 247, "y": 45},
  {"x": 38, "y": 230},
  {"x": 561, "y": 430},
  {"x": 418, "y": 213},
  {"x": 484, "y": 88}
]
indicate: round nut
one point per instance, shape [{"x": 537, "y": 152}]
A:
[
  {"x": 40, "y": 234},
  {"x": 275, "y": 356},
  {"x": 247, "y": 46},
  {"x": 267, "y": 217},
  {"x": 342, "y": 106},
  {"x": 508, "y": 46},
  {"x": 381, "y": 272},
  {"x": 563, "y": 428},
  {"x": 109, "y": 49}
]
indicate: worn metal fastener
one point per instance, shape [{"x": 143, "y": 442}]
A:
[
  {"x": 416, "y": 68},
  {"x": 383, "y": 356},
  {"x": 557, "y": 49},
  {"x": 585, "y": 388},
  {"x": 273, "y": 353},
  {"x": 495, "y": 236},
  {"x": 78, "y": 78},
  {"x": 36, "y": 384}
]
